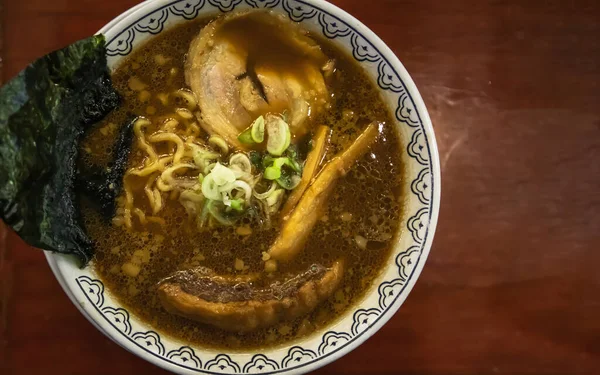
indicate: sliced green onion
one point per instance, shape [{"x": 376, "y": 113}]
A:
[
  {"x": 292, "y": 154},
  {"x": 209, "y": 168},
  {"x": 237, "y": 204},
  {"x": 266, "y": 193},
  {"x": 238, "y": 185},
  {"x": 289, "y": 182},
  {"x": 222, "y": 175},
  {"x": 272, "y": 173},
  {"x": 240, "y": 162},
  {"x": 267, "y": 161},
  {"x": 293, "y": 164},
  {"x": 226, "y": 201},
  {"x": 280, "y": 162},
  {"x": 274, "y": 200},
  {"x": 279, "y": 135},
  {"x": 213, "y": 182},
  {"x": 246, "y": 137},
  {"x": 258, "y": 130},
  {"x": 210, "y": 189}
]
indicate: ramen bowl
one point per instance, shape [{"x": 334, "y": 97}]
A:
[{"x": 420, "y": 211}]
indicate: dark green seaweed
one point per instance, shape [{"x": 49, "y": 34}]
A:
[
  {"x": 44, "y": 112},
  {"x": 103, "y": 185}
]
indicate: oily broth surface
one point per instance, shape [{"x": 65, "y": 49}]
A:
[{"x": 367, "y": 203}]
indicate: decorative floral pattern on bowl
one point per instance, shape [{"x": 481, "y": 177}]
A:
[{"x": 421, "y": 180}]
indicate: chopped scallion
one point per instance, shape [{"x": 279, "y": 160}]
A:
[
  {"x": 245, "y": 137},
  {"x": 258, "y": 130},
  {"x": 279, "y": 135},
  {"x": 272, "y": 173},
  {"x": 237, "y": 204}
]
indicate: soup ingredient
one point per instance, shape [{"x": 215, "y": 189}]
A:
[
  {"x": 104, "y": 185},
  {"x": 297, "y": 228},
  {"x": 238, "y": 76},
  {"x": 246, "y": 137},
  {"x": 222, "y": 185},
  {"x": 219, "y": 142},
  {"x": 255, "y": 133},
  {"x": 313, "y": 161},
  {"x": 258, "y": 129},
  {"x": 274, "y": 171},
  {"x": 236, "y": 304},
  {"x": 44, "y": 112},
  {"x": 279, "y": 135},
  {"x": 361, "y": 242}
]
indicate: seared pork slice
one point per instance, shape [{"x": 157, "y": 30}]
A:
[
  {"x": 239, "y": 305},
  {"x": 238, "y": 75}
]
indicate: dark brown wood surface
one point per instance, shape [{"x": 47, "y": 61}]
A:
[{"x": 512, "y": 285}]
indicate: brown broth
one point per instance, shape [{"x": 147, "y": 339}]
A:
[{"x": 370, "y": 194}]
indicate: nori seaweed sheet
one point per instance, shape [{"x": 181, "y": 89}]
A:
[{"x": 44, "y": 112}]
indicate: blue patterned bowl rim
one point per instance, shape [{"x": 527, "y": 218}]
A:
[{"x": 422, "y": 180}]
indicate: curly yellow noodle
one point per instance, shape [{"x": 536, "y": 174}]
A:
[
  {"x": 118, "y": 221},
  {"x": 141, "y": 215},
  {"x": 190, "y": 149},
  {"x": 128, "y": 196},
  {"x": 170, "y": 137},
  {"x": 159, "y": 172},
  {"x": 141, "y": 139},
  {"x": 163, "y": 186},
  {"x": 194, "y": 129},
  {"x": 166, "y": 181},
  {"x": 128, "y": 206},
  {"x": 154, "y": 204},
  {"x": 169, "y": 125},
  {"x": 157, "y": 220},
  {"x": 158, "y": 200},
  {"x": 127, "y": 218},
  {"x": 188, "y": 96},
  {"x": 157, "y": 166}
]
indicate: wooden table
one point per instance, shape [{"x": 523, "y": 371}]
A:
[{"x": 512, "y": 285}]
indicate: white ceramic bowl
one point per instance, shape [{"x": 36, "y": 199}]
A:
[{"x": 422, "y": 182}]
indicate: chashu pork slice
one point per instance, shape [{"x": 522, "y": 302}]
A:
[
  {"x": 238, "y": 305},
  {"x": 247, "y": 64}
]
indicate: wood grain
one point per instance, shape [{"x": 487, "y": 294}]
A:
[{"x": 512, "y": 283}]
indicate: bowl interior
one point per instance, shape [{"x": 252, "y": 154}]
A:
[{"x": 422, "y": 187}]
